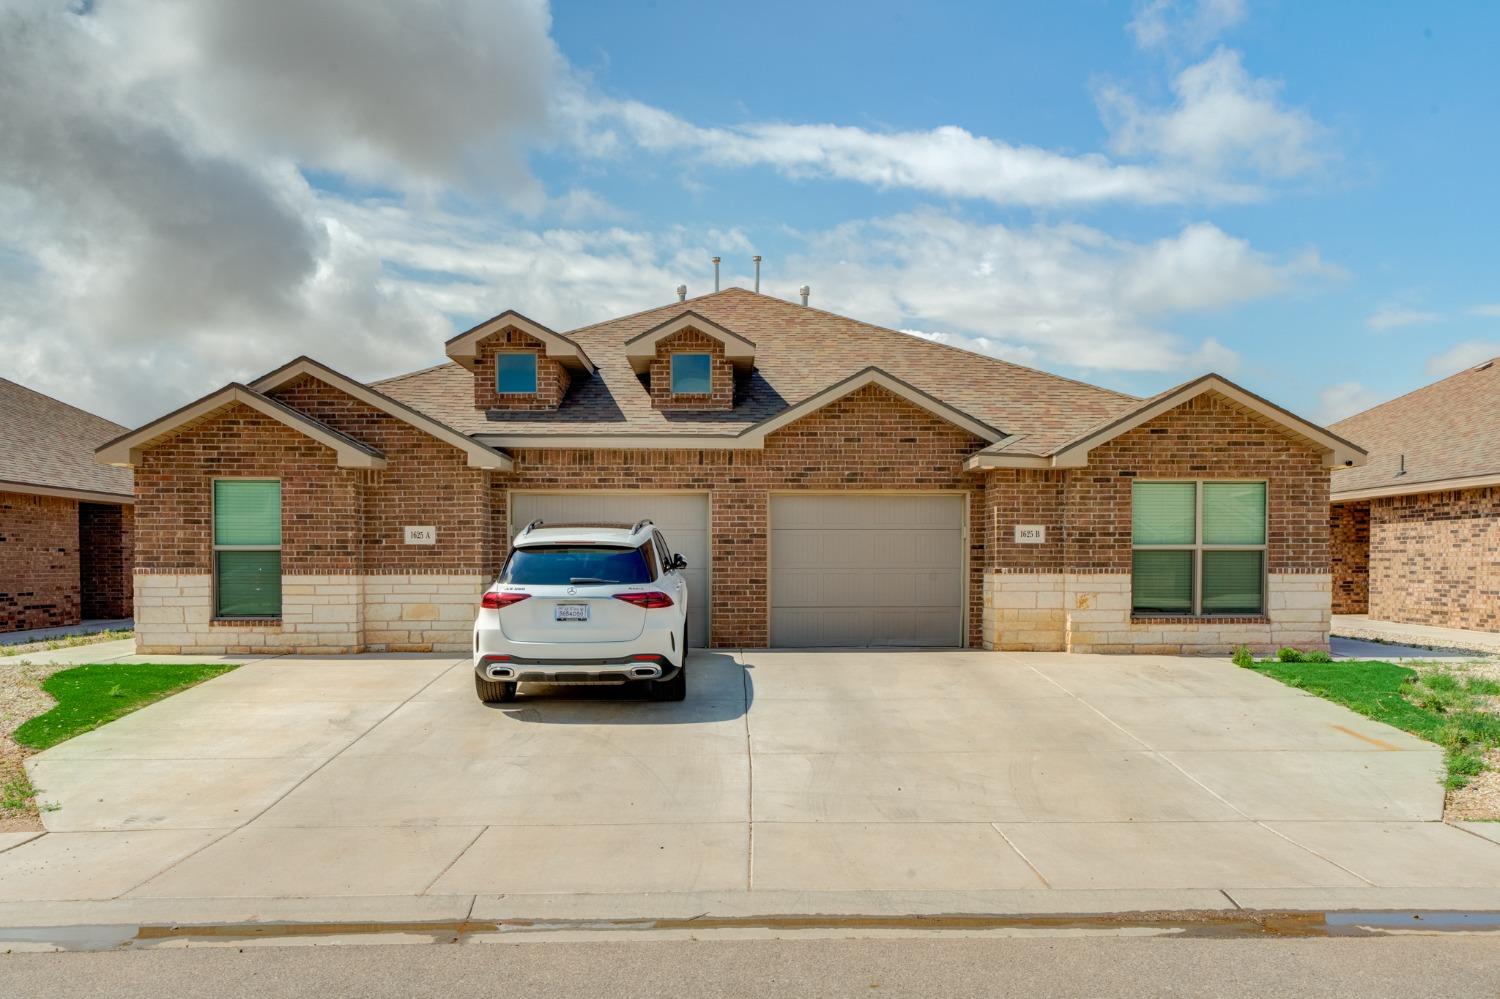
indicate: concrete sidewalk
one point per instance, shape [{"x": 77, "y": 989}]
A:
[
  {"x": 67, "y": 631},
  {"x": 1423, "y": 638},
  {"x": 120, "y": 651},
  {"x": 379, "y": 788}
]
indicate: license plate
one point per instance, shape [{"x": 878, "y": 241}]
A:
[{"x": 571, "y": 612}]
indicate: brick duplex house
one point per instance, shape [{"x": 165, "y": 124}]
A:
[
  {"x": 1415, "y": 533},
  {"x": 829, "y": 482},
  {"x": 65, "y": 520}
]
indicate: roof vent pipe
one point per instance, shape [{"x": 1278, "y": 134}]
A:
[
  {"x": 805, "y": 291},
  {"x": 716, "y": 273},
  {"x": 756, "y": 258},
  {"x": 682, "y": 293}
]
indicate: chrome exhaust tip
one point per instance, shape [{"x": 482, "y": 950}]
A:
[
  {"x": 500, "y": 673},
  {"x": 645, "y": 672}
]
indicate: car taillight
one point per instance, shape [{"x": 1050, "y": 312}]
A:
[
  {"x": 648, "y": 601},
  {"x": 495, "y": 601}
]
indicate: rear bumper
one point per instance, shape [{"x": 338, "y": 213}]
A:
[{"x": 618, "y": 670}]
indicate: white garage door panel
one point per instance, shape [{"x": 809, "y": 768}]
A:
[
  {"x": 859, "y": 587},
  {"x": 681, "y": 518},
  {"x": 867, "y": 570},
  {"x": 806, "y": 627}
]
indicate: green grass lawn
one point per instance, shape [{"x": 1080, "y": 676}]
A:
[
  {"x": 1441, "y": 706},
  {"x": 90, "y": 696}
]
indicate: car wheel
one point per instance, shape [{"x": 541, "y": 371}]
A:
[
  {"x": 674, "y": 689},
  {"x": 494, "y": 691}
]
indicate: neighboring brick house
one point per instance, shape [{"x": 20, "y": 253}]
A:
[
  {"x": 830, "y": 482},
  {"x": 65, "y": 520},
  {"x": 1415, "y": 533}
]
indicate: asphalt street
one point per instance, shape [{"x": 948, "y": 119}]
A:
[{"x": 1411, "y": 967}]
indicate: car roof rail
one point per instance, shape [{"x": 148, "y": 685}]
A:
[
  {"x": 640, "y": 524},
  {"x": 534, "y": 524}
]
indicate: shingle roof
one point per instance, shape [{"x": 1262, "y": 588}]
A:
[
  {"x": 352, "y": 453},
  {"x": 1446, "y": 430},
  {"x": 1004, "y": 452},
  {"x": 799, "y": 351},
  {"x": 44, "y": 442}
]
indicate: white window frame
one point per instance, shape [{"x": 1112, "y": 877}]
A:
[
  {"x": 536, "y": 371},
  {"x": 672, "y": 371},
  {"x": 213, "y": 499},
  {"x": 1198, "y": 547}
]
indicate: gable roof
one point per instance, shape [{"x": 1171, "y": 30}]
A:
[
  {"x": 126, "y": 449},
  {"x": 1012, "y": 453},
  {"x": 641, "y": 349},
  {"x": 48, "y": 448},
  {"x": 478, "y": 454},
  {"x": 462, "y": 348},
  {"x": 1444, "y": 433},
  {"x": 799, "y": 352}
]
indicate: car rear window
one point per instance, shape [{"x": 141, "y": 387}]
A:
[{"x": 579, "y": 565}]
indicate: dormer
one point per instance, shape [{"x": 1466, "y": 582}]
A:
[
  {"x": 690, "y": 362},
  {"x": 519, "y": 364}
]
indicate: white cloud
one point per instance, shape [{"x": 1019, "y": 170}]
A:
[
  {"x": 142, "y": 261},
  {"x": 564, "y": 277},
  {"x": 1335, "y": 402},
  {"x": 1070, "y": 294},
  {"x": 1062, "y": 294},
  {"x": 1391, "y": 317},
  {"x": 158, "y": 236},
  {"x": 411, "y": 94},
  {"x": 579, "y": 204},
  {"x": 1201, "y": 268},
  {"x": 947, "y": 160},
  {"x": 1491, "y": 310},
  {"x": 1460, "y": 356},
  {"x": 1162, "y": 23},
  {"x": 1223, "y": 123},
  {"x": 1013, "y": 352}
]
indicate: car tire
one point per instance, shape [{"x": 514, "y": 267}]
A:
[
  {"x": 674, "y": 689},
  {"x": 494, "y": 691}
]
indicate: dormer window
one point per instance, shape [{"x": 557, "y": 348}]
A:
[
  {"x": 515, "y": 373},
  {"x": 690, "y": 363},
  {"x": 692, "y": 374}
]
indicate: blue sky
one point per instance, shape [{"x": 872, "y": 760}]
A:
[{"x": 1297, "y": 195}]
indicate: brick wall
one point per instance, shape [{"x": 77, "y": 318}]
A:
[
  {"x": 551, "y": 377},
  {"x": 426, "y": 482},
  {"x": 1073, "y": 591},
  {"x": 346, "y": 522},
  {"x": 321, "y": 504},
  {"x": 1206, "y": 438},
  {"x": 1349, "y": 555},
  {"x": 1025, "y": 496},
  {"x": 106, "y": 559},
  {"x": 870, "y": 440},
  {"x": 1435, "y": 559},
  {"x": 38, "y": 562},
  {"x": 349, "y": 580},
  {"x": 721, "y": 373}
]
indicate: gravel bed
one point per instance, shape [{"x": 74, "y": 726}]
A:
[{"x": 21, "y": 698}]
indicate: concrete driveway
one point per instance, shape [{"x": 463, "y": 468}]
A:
[{"x": 783, "y": 771}]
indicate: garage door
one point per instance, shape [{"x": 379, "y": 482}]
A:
[
  {"x": 681, "y": 518},
  {"x": 867, "y": 570}
]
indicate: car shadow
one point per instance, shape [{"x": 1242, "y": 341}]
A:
[{"x": 718, "y": 689}]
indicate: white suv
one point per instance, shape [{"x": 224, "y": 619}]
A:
[{"x": 584, "y": 603}]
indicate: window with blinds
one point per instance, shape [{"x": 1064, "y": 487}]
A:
[
  {"x": 247, "y": 548},
  {"x": 1199, "y": 547}
]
